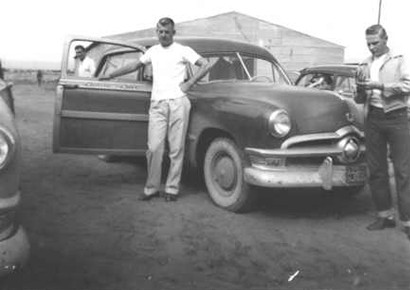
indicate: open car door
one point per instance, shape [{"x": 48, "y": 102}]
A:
[{"x": 101, "y": 117}]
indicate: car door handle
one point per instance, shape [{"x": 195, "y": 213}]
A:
[{"x": 71, "y": 86}]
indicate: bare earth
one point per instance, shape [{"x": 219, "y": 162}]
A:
[{"x": 88, "y": 230}]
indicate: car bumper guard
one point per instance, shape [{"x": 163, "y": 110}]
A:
[{"x": 327, "y": 176}]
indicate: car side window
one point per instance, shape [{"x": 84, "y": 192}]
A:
[
  {"x": 235, "y": 66},
  {"x": 115, "y": 61},
  {"x": 321, "y": 81},
  {"x": 225, "y": 67},
  {"x": 92, "y": 59},
  {"x": 305, "y": 80},
  {"x": 81, "y": 63}
]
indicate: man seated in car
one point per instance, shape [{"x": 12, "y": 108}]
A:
[{"x": 321, "y": 82}]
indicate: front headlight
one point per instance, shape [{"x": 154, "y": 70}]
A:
[
  {"x": 279, "y": 123},
  {"x": 6, "y": 147}
]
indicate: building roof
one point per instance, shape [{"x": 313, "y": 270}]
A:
[{"x": 233, "y": 15}]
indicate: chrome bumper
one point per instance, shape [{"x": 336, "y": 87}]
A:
[{"x": 326, "y": 176}]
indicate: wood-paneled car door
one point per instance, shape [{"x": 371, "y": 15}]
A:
[{"x": 101, "y": 117}]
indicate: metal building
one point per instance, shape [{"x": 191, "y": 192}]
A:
[{"x": 295, "y": 50}]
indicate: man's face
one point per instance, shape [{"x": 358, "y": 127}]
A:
[
  {"x": 376, "y": 44},
  {"x": 80, "y": 54},
  {"x": 165, "y": 34}
]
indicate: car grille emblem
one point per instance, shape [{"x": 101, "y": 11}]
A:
[
  {"x": 350, "y": 150},
  {"x": 349, "y": 117}
]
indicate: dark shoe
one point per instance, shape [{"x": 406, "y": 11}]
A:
[
  {"x": 170, "y": 197},
  {"x": 144, "y": 197},
  {"x": 381, "y": 223}
]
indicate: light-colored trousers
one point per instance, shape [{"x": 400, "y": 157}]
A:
[{"x": 167, "y": 119}]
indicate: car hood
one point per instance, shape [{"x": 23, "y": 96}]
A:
[{"x": 311, "y": 110}]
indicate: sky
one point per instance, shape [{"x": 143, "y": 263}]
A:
[{"x": 34, "y": 31}]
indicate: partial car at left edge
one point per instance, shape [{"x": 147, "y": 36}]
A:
[{"x": 14, "y": 245}]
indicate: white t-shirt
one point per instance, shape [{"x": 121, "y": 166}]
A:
[
  {"x": 85, "y": 68},
  {"x": 374, "y": 76},
  {"x": 169, "y": 68}
]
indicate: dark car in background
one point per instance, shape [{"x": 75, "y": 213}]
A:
[
  {"x": 337, "y": 78},
  {"x": 14, "y": 246},
  {"x": 249, "y": 126}
]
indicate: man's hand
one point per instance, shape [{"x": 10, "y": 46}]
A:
[
  {"x": 204, "y": 68},
  {"x": 361, "y": 75},
  {"x": 369, "y": 85},
  {"x": 185, "y": 86}
]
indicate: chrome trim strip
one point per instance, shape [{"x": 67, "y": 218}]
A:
[
  {"x": 322, "y": 136},
  {"x": 300, "y": 152},
  {"x": 295, "y": 152},
  {"x": 121, "y": 152},
  {"x": 104, "y": 116},
  {"x": 106, "y": 85}
]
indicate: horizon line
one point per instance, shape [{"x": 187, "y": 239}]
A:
[{"x": 30, "y": 64}]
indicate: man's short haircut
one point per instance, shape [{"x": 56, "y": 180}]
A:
[
  {"x": 376, "y": 29},
  {"x": 166, "y": 21},
  {"x": 79, "y": 47}
]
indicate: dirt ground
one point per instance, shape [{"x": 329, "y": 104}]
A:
[{"x": 88, "y": 230}]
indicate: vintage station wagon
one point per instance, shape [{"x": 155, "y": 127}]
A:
[{"x": 249, "y": 127}]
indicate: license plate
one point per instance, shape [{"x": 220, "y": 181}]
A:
[{"x": 355, "y": 174}]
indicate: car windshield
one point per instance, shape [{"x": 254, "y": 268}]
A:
[{"x": 239, "y": 67}]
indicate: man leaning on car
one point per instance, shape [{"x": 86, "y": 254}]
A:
[{"x": 169, "y": 108}]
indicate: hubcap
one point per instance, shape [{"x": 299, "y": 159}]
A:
[{"x": 225, "y": 173}]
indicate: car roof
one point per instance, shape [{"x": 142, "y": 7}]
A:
[
  {"x": 341, "y": 69},
  {"x": 205, "y": 45}
]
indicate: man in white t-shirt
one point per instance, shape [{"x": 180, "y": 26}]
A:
[
  {"x": 84, "y": 66},
  {"x": 169, "y": 109}
]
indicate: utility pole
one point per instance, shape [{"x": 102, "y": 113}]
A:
[{"x": 380, "y": 11}]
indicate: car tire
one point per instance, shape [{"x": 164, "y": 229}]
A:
[{"x": 223, "y": 174}]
